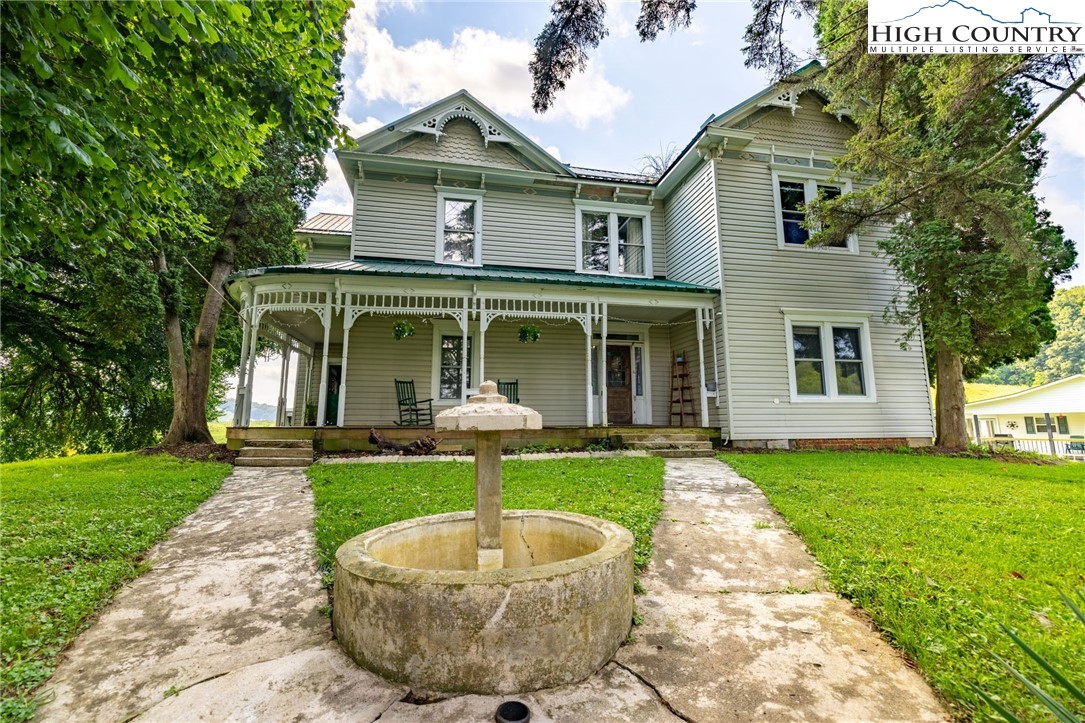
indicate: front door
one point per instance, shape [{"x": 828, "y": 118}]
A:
[
  {"x": 331, "y": 406},
  {"x": 619, "y": 385}
]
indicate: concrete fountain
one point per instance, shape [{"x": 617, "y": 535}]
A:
[{"x": 490, "y": 601}]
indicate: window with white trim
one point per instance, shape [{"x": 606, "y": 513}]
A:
[
  {"x": 459, "y": 226},
  {"x": 451, "y": 364},
  {"x": 613, "y": 238},
  {"x": 791, "y": 194},
  {"x": 829, "y": 358}
]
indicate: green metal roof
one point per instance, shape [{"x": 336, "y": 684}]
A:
[{"x": 423, "y": 269}]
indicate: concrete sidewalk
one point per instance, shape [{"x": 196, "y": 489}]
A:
[{"x": 738, "y": 625}]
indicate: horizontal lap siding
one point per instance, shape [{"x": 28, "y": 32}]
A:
[
  {"x": 376, "y": 360},
  {"x": 690, "y": 219},
  {"x": 552, "y": 372},
  {"x": 528, "y": 230},
  {"x": 322, "y": 255},
  {"x": 395, "y": 220},
  {"x": 760, "y": 278},
  {"x": 659, "y": 349},
  {"x": 808, "y": 127},
  {"x": 659, "y": 240}
]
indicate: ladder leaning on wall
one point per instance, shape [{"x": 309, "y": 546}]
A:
[{"x": 681, "y": 391}]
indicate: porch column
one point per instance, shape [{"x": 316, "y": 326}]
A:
[
  {"x": 322, "y": 392},
  {"x": 587, "y": 365},
  {"x": 348, "y": 322},
  {"x": 284, "y": 367},
  {"x": 239, "y": 398},
  {"x": 483, "y": 323},
  {"x": 308, "y": 388},
  {"x": 465, "y": 358},
  {"x": 603, "y": 406},
  {"x": 254, "y": 339},
  {"x": 699, "y": 315}
]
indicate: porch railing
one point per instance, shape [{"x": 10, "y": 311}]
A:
[{"x": 1059, "y": 446}]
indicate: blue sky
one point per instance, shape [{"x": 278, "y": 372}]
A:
[{"x": 634, "y": 98}]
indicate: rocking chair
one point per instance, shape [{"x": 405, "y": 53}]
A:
[
  {"x": 511, "y": 390},
  {"x": 413, "y": 412}
]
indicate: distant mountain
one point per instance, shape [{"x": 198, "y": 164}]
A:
[
  {"x": 954, "y": 10},
  {"x": 260, "y": 412}
]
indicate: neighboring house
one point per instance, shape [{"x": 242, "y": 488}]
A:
[
  {"x": 1049, "y": 418},
  {"x": 467, "y": 230}
]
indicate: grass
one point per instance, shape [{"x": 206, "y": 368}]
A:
[
  {"x": 72, "y": 530},
  {"x": 218, "y": 428},
  {"x": 939, "y": 551},
  {"x": 353, "y": 498}
]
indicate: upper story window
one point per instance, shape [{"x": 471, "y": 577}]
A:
[
  {"x": 459, "y": 226},
  {"x": 829, "y": 356},
  {"x": 614, "y": 238},
  {"x": 792, "y": 191}
]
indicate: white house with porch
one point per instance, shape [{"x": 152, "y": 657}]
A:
[
  {"x": 606, "y": 301},
  {"x": 1049, "y": 419}
]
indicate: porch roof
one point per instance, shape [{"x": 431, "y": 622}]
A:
[{"x": 422, "y": 269}]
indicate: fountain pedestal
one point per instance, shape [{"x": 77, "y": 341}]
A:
[{"x": 494, "y": 601}]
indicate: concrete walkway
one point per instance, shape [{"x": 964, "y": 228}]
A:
[{"x": 737, "y": 626}]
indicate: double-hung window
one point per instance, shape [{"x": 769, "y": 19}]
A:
[
  {"x": 829, "y": 356},
  {"x": 614, "y": 238},
  {"x": 792, "y": 191},
  {"x": 459, "y": 226}
]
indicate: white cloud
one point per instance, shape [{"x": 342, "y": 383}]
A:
[
  {"x": 334, "y": 196},
  {"x": 359, "y": 128},
  {"x": 1064, "y": 129},
  {"x": 554, "y": 151},
  {"x": 490, "y": 66}
]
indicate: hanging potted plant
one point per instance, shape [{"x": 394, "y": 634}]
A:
[
  {"x": 529, "y": 334},
  {"x": 401, "y": 329}
]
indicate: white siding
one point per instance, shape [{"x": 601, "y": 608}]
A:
[
  {"x": 760, "y": 279},
  {"x": 321, "y": 254},
  {"x": 691, "y": 234},
  {"x": 399, "y": 221},
  {"x": 809, "y": 127},
  {"x": 460, "y": 142}
]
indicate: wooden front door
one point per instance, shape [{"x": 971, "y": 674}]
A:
[
  {"x": 331, "y": 407},
  {"x": 619, "y": 385}
]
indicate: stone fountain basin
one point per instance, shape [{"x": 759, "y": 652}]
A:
[{"x": 411, "y": 606}]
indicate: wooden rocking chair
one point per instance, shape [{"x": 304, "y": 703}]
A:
[
  {"x": 413, "y": 412},
  {"x": 511, "y": 390}
]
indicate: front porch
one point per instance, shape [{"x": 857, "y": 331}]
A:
[
  {"x": 343, "y": 439},
  {"x": 609, "y": 352}
]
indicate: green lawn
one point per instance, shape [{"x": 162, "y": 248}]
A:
[
  {"x": 939, "y": 551},
  {"x": 72, "y": 531},
  {"x": 353, "y": 498}
]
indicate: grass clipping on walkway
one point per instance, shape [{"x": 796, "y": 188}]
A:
[
  {"x": 354, "y": 498},
  {"x": 939, "y": 551},
  {"x": 71, "y": 532}
]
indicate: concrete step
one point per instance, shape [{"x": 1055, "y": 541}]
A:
[
  {"x": 663, "y": 437},
  {"x": 273, "y": 462},
  {"x": 671, "y": 444},
  {"x": 682, "y": 453},
  {"x": 300, "y": 452},
  {"x": 281, "y": 443}
]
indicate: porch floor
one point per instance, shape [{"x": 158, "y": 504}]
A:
[{"x": 339, "y": 439}]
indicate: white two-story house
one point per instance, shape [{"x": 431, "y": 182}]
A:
[{"x": 688, "y": 300}]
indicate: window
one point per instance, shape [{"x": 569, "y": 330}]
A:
[
  {"x": 459, "y": 226},
  {"x": 451, "y": 367},
  {"x": 792, "y": 193},
  {"x": 1038, "y": 425},
  {"x": 829, "y": 357},
  {"x": 614, "y": 238}
]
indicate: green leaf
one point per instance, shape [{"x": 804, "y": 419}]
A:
[
  {"x": 116, "y": 70},
  {"x": 1042, "y": 662},
  {"x": 65, "y": 145}
]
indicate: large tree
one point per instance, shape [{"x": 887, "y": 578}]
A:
[
  {"x": 129, "y": 134},
  {"x": 1063, "y": 357},
  {"x": 948, "y": 151}
]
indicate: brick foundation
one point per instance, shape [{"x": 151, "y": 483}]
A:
[{"x": 871, "y": 443}]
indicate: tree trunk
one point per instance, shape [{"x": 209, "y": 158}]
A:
[
  {"x": 192, "y": 379},
  {"x": 952, "y": 428}
]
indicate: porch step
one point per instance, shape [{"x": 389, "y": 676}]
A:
[
  {"x": 281, "y": 443},
  {"x": 670, "y": 444},
  {"x": 300, "y": 452},
  {"x": 276, "y": 453}
]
